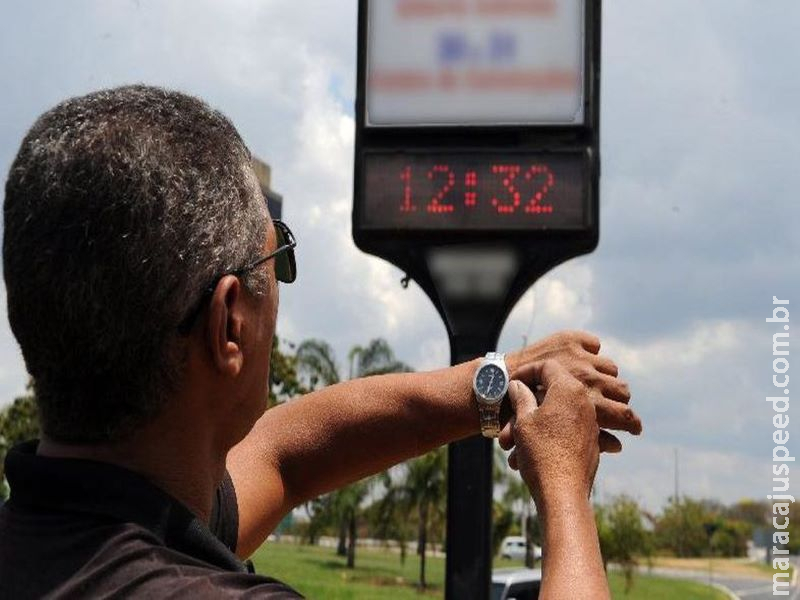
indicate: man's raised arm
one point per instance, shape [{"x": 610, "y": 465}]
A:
[
  {"x": 556, "y": 450},
  {"x": 338, "y": 435}
]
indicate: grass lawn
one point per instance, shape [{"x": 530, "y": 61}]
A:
[{"x": 319, "y": 574}]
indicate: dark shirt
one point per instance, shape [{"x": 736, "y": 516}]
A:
[{"x": 84, "y": 529}]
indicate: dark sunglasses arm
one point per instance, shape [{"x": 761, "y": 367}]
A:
[
  {"x": 186, "y": 325},
  {"x": 263, "y": 259}
]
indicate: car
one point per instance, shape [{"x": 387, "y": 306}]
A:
[
  {"x": 516, "y": 584},
  {"x": 513, "y": 547}
]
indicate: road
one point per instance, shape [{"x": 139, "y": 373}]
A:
[{"x": 741, "y": 587}]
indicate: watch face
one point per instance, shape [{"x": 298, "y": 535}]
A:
[{"x": 490, "y": 382}]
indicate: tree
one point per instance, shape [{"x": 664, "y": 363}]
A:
[
  {"x": 385, "y": 522},
  {"x": 317, "y": 368},
  {"x": 502, "y": 524},
  {"x": 422, "y": 488},
  {"x": 622, "y": 535},
  {"x": 19, "y": 422},
  {"x": 376, "y": 358},
  {"x": 750, "y": 511},
  {"x": 794, "y": 528},
  {"x": 284, "y": 379},
  {"x": 730, "y": 537},
  {"x": 680, "y": 528},
  {"x": 502, "y": 512},
  {"x": 518, "y": 497},
  {"x": 347, "y": 506},
  {"x": 316, "y": 363}
]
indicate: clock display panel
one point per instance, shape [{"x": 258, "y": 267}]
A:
[{"x": 476, "y": 191}]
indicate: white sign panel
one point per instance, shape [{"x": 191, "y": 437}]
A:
[{"x": 475, "y": 62}]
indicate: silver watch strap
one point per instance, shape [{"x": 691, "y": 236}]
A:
[
  {"x": 495, "y": 356},
  {"x": 490, "y": 420}
]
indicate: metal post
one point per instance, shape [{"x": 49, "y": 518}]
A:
[{"x": 469, "y": 498}]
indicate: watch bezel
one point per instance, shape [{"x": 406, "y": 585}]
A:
[{"x": 486, "y": 362}]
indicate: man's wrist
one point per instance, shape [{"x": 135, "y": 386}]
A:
[
  {"x": 555, "y": 503},
  {"x": 453, "y": 389},
  {"x": 471, "y": 367}
]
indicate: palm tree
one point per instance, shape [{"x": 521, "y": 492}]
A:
[
  {"x": 518, "y": 497},
  {"x": 421, "y": 488},
  {"x": 376, "y": 358},
  {"x": 316, "y": 362},
  {"x": 347, "y": 502},
  {"x": 387, "y": 523},
  {"x": 516, "y": 504}
]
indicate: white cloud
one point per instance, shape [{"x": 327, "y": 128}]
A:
[{"x": 686, "y": 350}]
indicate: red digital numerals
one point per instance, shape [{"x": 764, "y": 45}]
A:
[
  {"x": 509, "y": 173},
  {"x": 471, "y": 184},
  {"x": 539, "y": 176},
  {"x": 540, "y": 173},
  {"x": 441, "y": 172},
  {"x": 407, "y": 205}
]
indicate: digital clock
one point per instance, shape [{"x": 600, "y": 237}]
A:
[{"x": 476, "y": 191}]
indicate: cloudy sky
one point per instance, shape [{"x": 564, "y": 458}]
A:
[{"x": 700, "y": 147}]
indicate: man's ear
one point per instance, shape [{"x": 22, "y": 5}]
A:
[{"x": 225, "y": 322}]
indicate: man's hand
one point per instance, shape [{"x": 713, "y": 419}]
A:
[
  {"x": 557, "y": 451},
  {"x": 557, "y": 443},
  {"x": 578, "y": 353}
]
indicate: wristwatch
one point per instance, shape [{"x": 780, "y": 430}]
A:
[{"x": 490, "y": 385}]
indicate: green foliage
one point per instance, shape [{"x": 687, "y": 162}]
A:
[
  {"x": 316, "y": 363},
  {"x": 19, "y": 422},
  {"x": 730, "y": 537},
  {"x": 794, "y": 528},
  {"x": 500, "y": 469},
  {"x": 376, "y": 358},
  {"x": 284, "y": 378},
  {"x": 517, "y": 497},
  {"x": 347, "y": 506},
  {"x": 680, "y": 528},
  {"x": 695, "y": 528},
  {"x": 748, "y": 515},
  {"x": 503, "y": 519},
  {"x": 622, "y": 535},
  {"x": 421, "y": 488},
  {"x": 749, "y": 511},
  {"x": 534, "y": 529},
  {"x": 386, "y": 520}
]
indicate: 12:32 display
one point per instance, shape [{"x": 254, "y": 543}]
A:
[{"x": 475, "y": 191}]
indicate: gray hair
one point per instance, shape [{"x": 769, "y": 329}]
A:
[{"x": 121, "y": 208}]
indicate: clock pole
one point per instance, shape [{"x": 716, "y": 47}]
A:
[{"x": 469, "y": 495}]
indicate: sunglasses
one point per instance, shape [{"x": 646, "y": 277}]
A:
[
  {"x": 285, "y": 270},
  {"x": 285, "y": 265}
]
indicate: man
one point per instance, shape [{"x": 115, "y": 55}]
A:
[{"x": 141, "y": 267}]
